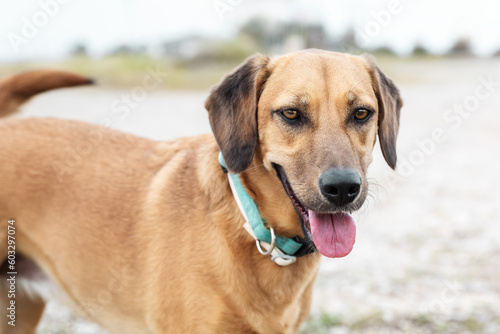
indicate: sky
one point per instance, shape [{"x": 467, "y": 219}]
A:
[{"x": 49, "y": 29}]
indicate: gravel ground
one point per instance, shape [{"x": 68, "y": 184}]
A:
[{"x": 425, "y": 257}]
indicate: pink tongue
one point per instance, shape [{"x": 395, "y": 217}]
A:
[{"x": 333, "y": 234}]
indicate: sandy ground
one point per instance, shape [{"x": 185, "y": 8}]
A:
[{"x": 425, "y": 258}]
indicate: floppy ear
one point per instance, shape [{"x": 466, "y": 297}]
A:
[
  {"x": 389, "y": 105},
  {"x": 232, "y": 111}
]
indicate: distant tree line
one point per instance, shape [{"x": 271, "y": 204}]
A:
[{"x": 260, "y": 35}]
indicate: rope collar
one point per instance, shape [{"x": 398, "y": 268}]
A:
[{"x": 283, "y": 251}]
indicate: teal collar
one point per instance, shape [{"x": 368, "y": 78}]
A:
[{"x": 280, "y": 247}]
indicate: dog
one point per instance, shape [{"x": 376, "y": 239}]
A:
[{"x": 217, "y": 233}]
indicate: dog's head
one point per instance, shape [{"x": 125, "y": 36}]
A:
[{"x": 311, "y": 118}]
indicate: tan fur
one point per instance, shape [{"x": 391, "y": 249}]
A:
[
  {"x": 17, "y": 89},
  {"x": 145, "y": 237}
]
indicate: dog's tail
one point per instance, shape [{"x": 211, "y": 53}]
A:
[{"x": 19, "y": 88}]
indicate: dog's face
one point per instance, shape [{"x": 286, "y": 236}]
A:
[
  {"x": 325, "y": 119},
  {"x": 313, "y": 117}
]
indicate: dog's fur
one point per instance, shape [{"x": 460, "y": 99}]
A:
[{"x": 145, "y": 237}]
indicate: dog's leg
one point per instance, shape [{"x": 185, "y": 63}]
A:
[
  {"x": 28, "y": 312},
  {"x": 16, "y": 306}
]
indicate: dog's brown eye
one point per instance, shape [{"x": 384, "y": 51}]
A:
[
  {"x": 291, "y": 114},
  {"x": 361, "y": 114}
]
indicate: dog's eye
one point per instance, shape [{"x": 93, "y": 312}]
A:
[
  {"x": 291, "y": 114},
  {"x": 362, "y": 114}
]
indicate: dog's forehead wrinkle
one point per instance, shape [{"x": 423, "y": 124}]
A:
[
  {"x": 351, "y": 97},
  {"x": 301, "y": 98},
  {"x": 358, "y": 95},
  {"x": 326, "y": 78},
  {"x": 304, "y": 99},
  {"x": 296, "y": 66},
  {"x": 292, "y": 98}
]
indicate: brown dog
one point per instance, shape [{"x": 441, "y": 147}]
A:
[{"x": 146, "y": 237}]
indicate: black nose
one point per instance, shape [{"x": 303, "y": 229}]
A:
[{"x": 340, "y": 186}]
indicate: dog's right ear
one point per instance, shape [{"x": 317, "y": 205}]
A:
[
  {"x": 232, "y": 111},
  {"x": 390, "y": 103}
]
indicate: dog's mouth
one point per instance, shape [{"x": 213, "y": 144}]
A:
[{"x": 333, "y": 234}]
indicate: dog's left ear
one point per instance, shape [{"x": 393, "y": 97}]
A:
[
  {"x": 232, "y": 111},
  {"x": 389, "y": 105}
]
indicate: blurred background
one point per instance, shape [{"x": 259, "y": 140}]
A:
[{"x": 425, "y": 260}]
